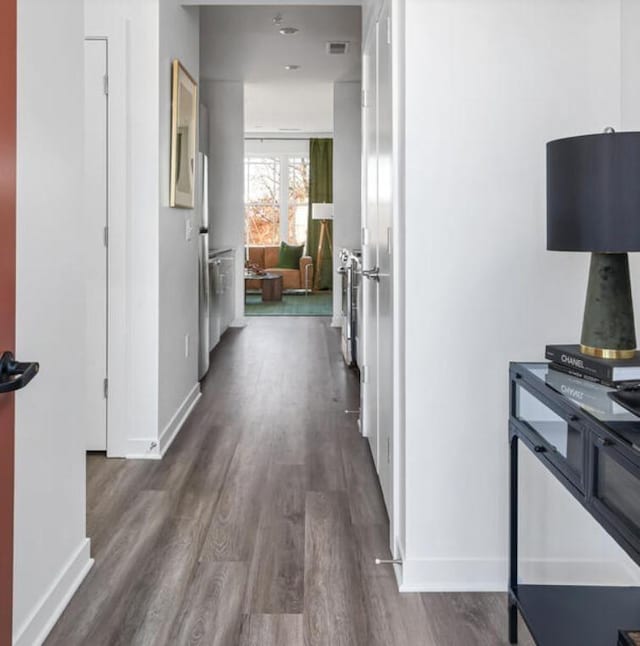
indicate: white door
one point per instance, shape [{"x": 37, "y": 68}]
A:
[
  {"x": 369, "y": 391},
  {"x": 377, "y": 387},
  {"x": 384, "y": 237},
  {"x": 95, "y": 230}
]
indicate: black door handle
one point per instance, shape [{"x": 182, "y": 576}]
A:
[{"x": 14, "y": 374}]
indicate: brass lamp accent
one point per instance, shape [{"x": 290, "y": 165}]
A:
[
  {"x": 593, "y": 204},
  {"x": 322, "y": 211}
]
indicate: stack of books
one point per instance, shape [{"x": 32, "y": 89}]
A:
[
  {"x": 613, "y": 373},
  {"x": 588, "y": 380}
]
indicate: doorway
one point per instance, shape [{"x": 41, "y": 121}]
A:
[
  {"x": 276, "y": 212},
  {"x": 97, "y": 236}
]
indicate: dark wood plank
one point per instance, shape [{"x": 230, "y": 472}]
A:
[
  {"x": 87, "y": 618},
  {"x": 460, "y": 618},
  {"x": 234, "y": 525},
  {"x": 334, "y": 614},
  {"x": 276, "y": 577},
  {"x": 272, "y": 630},
  {"x": 392, "y": 618},
  {"x": 211, "y": 614}
]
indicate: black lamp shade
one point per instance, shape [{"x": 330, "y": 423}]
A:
[{"x": 593, "y": 193}]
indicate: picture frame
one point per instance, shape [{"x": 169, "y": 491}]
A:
[{"x": 184, "y": 115}]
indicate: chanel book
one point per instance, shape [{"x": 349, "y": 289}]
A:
[
  {"x": 585, "y": 393},
  {"x": 609, "y": 371}
]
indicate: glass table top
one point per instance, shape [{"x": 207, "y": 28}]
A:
[{"x": 590, "y": 397}]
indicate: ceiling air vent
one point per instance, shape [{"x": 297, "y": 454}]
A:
[{"x": 337, "y": 47}]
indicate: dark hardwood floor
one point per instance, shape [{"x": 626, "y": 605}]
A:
[{"x": 261, "y": 524}]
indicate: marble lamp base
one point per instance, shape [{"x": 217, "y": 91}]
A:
[{"x": 608, "y": 327}]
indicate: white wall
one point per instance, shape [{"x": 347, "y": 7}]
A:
[
  {"x": 132, "y": 30},
  {"x": 225, "y": 104},
  {"x": 178, "y": 259},
  {"x": 51, "y": 548},
  {"x": 488, "y": 83},
  {"x": 347, "y": 178},
  {"x": 153, "y": 268}
]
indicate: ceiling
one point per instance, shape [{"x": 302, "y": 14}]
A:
[{"x": 243, "y": 43}]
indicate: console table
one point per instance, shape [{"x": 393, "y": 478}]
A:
[{"x": 593, "y": 450}]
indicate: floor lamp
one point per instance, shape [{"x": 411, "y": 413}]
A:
[{"x": 324, "y": 213}]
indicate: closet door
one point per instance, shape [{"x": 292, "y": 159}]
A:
[
  {"x": 385, "y": 260},
  {"x": 377, "y": 387},
  {"x": 369, "y": 367}
]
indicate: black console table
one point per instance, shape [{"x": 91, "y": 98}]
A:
[{"x": 593, "y": 449}]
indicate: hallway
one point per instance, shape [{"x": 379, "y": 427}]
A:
[{"x": 261, "y": 524}]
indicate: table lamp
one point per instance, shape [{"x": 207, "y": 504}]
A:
[
  {"x": 593, "y": 204},
  {"x": 322, "y": 211}
]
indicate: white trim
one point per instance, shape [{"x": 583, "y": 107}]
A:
[
  {"x": 336, "y": 321},
  {"x": 117, "y": 221},
  {"x": 397, "y": 14},
  {"x": 241, "y": 321},
  {"x": 490, "y": 575},
  {"x": 142, "y": 448},
  {"x": 145, "y": 448},
  {"x": 39, "y": 623},
  {"x": 176, "y": 423}
]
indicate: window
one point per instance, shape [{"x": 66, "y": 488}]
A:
[
  {"x": 262, "y": 200},
  {"x": 276, "y": 210},
  {"x": 298, "y": 200}
]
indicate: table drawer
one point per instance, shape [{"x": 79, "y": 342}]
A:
[{"x": 555, "y": 432}]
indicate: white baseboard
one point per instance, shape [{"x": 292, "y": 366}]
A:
[
  {"x": 450, "y": 575},
  {"x": 179, "y": 418},
  {"x": 241, "y": 321},
  {"x": 142, "y": 448},
  {"x": 145, "y": 448},
  {"x": 490, "y": 575},
  {"x": 39, "y": 623}
]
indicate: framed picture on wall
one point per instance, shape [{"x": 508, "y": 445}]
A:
[{"x": 184, "y": 112}]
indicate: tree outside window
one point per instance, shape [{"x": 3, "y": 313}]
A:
[
  {"x": 298, "y": 202},
  {"x": 274, "y": 210},
  {"x": 262, "y": 200}
]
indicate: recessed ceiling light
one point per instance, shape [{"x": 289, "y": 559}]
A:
[
  {"x": 291, "y": 68},
  {"x": 277, "y": 20},
  {"x": 289, "y": 31}
]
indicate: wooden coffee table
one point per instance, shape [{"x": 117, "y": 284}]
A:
[{"x": 271, "y": 286}]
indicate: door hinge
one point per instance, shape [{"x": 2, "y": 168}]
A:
[
  {"x": 105, "y": 84},
  {"x": 106, "y": 236},
  {"x": 388, "y": 30},
  {"x": 105, "y": 387},
  {"x": 365, "y": 236},
  {"x": 363, "y": 375}
]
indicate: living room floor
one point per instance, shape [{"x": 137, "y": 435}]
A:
[
  {"x": 261, "y": 524},
  {"x": 292, "y": 304}
]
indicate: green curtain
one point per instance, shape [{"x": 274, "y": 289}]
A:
[{"x": 320, "y": 190}]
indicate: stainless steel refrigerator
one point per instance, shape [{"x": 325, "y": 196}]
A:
[{"x": 204, "y": 285}]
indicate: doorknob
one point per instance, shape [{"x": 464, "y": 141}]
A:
[
  {"x": 14, "y": 374},
  {"x": 372, "y": 274}
]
